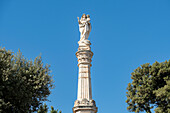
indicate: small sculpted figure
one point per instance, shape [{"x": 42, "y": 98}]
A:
[{"x": 84, "y": 27}]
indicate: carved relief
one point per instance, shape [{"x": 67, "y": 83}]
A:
[{"x": 84, "y": 102}]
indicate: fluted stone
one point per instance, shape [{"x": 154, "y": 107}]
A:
[{"x": 84, "y": 102}]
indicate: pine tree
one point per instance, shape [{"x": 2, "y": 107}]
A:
[
  {"x": 44, "y": 109},
  {"x": 150, "y": 88}
]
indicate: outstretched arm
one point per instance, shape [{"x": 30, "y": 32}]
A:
[{"x": 78, "y": 20}]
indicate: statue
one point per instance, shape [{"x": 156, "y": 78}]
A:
[{"x": 84, "y": 27}]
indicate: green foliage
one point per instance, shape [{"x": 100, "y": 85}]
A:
[
  {"x": 150, "y": 88},
  {"x": 44, "y": 109},
  {"x": 24, "y": 84}
]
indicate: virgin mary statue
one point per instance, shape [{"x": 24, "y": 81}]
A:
[{"x": 84, "y": 27}]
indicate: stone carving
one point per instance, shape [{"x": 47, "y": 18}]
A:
[
  {"x": 84, "y": 57},
  {"x": 84, "y": 102},
  {"x": 84, "y": 27}
]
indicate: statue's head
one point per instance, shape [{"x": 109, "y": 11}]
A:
[
  {"x": 84, "y": 16},
  {"x": 88, "y": 16}
]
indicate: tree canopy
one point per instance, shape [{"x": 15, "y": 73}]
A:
[
  {"x": 24, "y": 84},
  {"x": 44, "y": 109},
  {"x": 150, "y": 88}
]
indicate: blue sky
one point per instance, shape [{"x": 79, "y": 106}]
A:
[{"x": 125, "y": 34}]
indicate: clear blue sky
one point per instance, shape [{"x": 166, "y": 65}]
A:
[{"x": 125, "y": 34}]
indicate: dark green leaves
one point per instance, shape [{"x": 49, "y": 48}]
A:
[
  {"x": 150, "y": 87},
  {"x": 24, "y": 84},
  {"x": 44, "y": 109}
]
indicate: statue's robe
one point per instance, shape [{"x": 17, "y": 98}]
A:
[{"x": 84, "y": 29}]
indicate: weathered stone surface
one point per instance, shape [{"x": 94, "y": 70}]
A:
[{"x": 84, "y": 102}]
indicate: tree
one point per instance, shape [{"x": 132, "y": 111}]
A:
[
  {"x": 24, "y": 84},
  {"x": 44, "y": 109},
  {"x": 150, "y": 88}
]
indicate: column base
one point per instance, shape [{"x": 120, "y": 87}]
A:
[
  {"x": 85, "y": 106},
  {"x": 85, "y": 109}
]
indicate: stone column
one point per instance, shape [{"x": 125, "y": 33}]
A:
[{"x": 84, "y": 102}]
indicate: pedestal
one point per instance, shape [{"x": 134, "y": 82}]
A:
[{"x": 84, "y": 102}]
